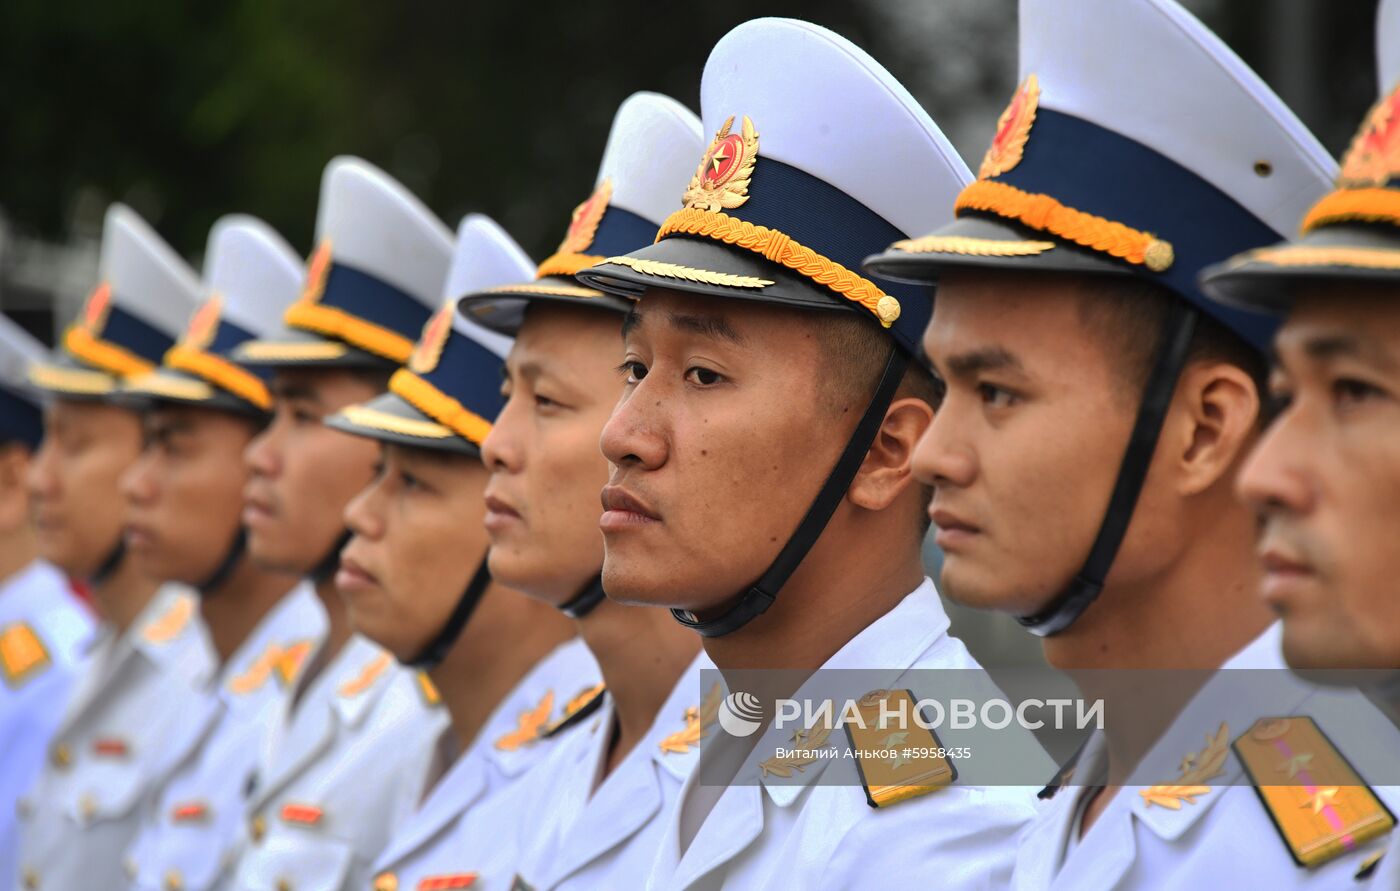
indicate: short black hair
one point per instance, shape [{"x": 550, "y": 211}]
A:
[
  {"x": 1130, "y": 314},
  {"x": 856, "y": 349}
]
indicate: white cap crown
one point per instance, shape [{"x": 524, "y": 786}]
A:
[{"x": 254, "y": 271}]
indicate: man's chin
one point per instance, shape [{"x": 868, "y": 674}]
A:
[
  {"x": 975, "y": 587},
  {"x": 638, "y": 585}
]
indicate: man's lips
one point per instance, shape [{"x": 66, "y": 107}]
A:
[
  {"x": 623, "y": 510},
  {"x": 138, "y": 537},
  {"x": 499, "y": 514},
  {"x": 1283, "y": 574},
  {"x": 352, "y": 576},
  {"x": 256, "y": 508},
  {"x": 953, "y": 531}
]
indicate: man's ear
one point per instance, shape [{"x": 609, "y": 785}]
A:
[
  {"x": 888, "y": 467},
  {"x": 14, "y": 492},
  {"x": 1214, "y": 420}
]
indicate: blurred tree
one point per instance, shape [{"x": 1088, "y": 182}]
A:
[{"x": 189, "y": 111}]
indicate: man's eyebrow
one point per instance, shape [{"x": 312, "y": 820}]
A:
[
  {"x": 992, "y": 358},
  {"x": 713, "y": 327},
  {"x": 1326, "y": 347},
  {"x": 631, "y": 321}
]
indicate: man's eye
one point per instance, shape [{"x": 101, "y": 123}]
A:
[
  {"x": 1349, "y": 391},
  {"x": 543, "y": 401},
  {"x": 409, "y": 481},
  {"x": 632, "y": 371},
  {"x": 302, "y": 416},
  {"x": 996, "y": 397},
  {"x": 703, "y": 376}
]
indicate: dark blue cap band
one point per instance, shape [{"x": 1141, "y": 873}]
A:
[
  {"x": 821, "y": 217},
  {"x": 469, "y": 373},
  {"x": 20, "y": 420},
  {"x": 135, "y": 335},
  {"x": 374, "y": 300},
  {"x": 621, "y": 231},
  {"x": 1098, "y": 171},
  {"x": 227, "y": 336}
]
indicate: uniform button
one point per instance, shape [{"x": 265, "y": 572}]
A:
[
  {"x": 62, "y": 756},
  {"x": 258, "y": 828},
  {"x": 87, "y": 806},
  {"x": 173, "y": 881},
  {"x": 130, "y": 866},
  {"x": 31, "y": 878},
  {"x": 386, "y": 881},
  {"x": 284, "y": 885},
  {"x": 24, "y": 809}
]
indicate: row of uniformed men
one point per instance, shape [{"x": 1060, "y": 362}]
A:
[{"x": 373, "y": 689}]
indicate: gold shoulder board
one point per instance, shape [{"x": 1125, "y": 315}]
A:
[
  {"x": 896, "y": 763},
  {"x": 22, "y": 653},
  {"x": 1319, "y": 804}
]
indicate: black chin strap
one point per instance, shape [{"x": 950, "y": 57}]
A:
[
  {"x": 1085, "y": 587},
  {"x": 109, "y": 563},
  {"x": 324, "y": 571},
  {"x": 586, "y": 600},
  {"x": 756, "y": 600},
  {"x": 431, "y": 656},
  {"x": 232, "y": 557}
]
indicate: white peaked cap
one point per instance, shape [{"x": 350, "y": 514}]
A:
[
  {"x": 18, "y": 351},
  {"x": 254, "y": 270},
  {"x": 651, "y": 151},
  {"x": 1148, "y": 70},
  {"x": 883, "y": 150},
  {"x": 380, "y": 228},
  {"x": 486, "y": 257},
  {"x": 1388, "y": 45},
  {"x": 148, "y": 279}
]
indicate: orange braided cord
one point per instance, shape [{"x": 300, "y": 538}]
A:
[
  {"x": 220, "y": 372},
  {"x": 781, "y": 249},
  {"x": 439, "y": 406},
  {"x": 1355, "y": 205},
  {"x": 1044, "y": 214},
  {"x": 108, "y": 356},
  {"x": 566, "y": 264},
  {"x": 331, "y": 322}
]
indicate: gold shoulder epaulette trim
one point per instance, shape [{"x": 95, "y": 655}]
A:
[
  {"x": 172, "y": 622},
  {"x": 22, "y": 654},
  {"x": 1326, "y": 809},
  {"x": 528, "y": 725},
  {"x": 588, "y": 701},
  {"x": 367, "y": 676},
  {"x": 896, "y": 764}
]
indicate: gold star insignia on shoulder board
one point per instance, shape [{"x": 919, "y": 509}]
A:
[{"x": 1197, "y": 768}]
